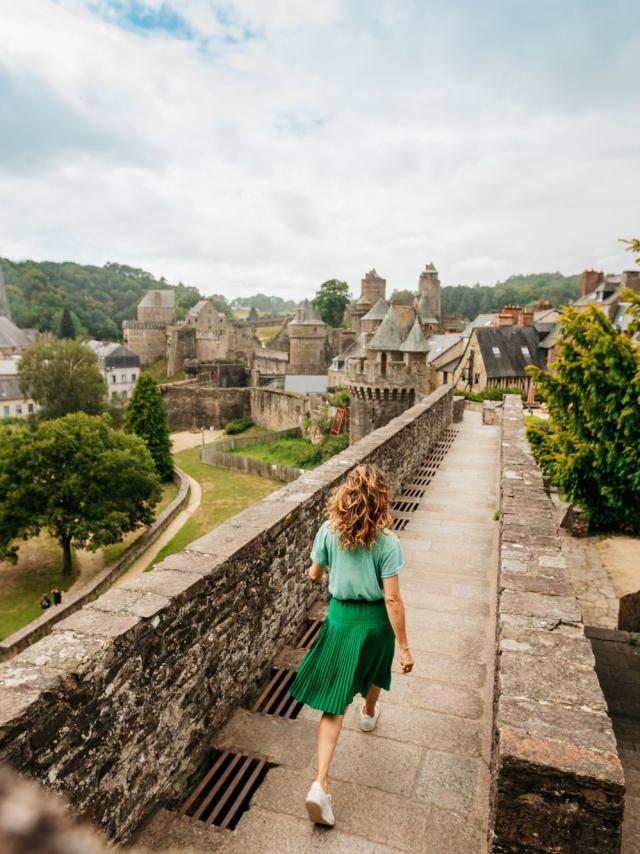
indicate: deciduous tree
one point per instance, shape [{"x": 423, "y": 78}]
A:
[
  {"x": 146, "y": 416},
  {"x": 76, "y": 478},
  {"x": 63, "y": 377},
  {"x": 67, "y": 329},
  {"x": 331, "y": 300}
]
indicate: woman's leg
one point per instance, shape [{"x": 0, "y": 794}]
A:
[
  {"x": 328, "y": 732},
  {"x": 371, "y": 699}
]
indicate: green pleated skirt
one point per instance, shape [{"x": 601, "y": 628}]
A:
[{"x": 353, "y": 651}]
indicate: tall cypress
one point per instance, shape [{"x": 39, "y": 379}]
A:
[
  {"x": 146, "y": 416},
  {"x": 67, "y": 329}
]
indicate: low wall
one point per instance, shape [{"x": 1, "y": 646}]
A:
[
  {"x": 117, "y": 706},
  {"x": 558, "y": 784},
  {"x": 72, "y": 602},
  {"x": 217, "y": 455},
  {"x": 277, "y": 409}
]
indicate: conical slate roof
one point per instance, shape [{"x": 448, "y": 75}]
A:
[
  {"x": 415, "y": 342},
  {"x": 378, "y": 310},
  {"x": 424, "y": 310},
  {"x": 387, "y": 335},
  {"x": 308, "y": 316}
]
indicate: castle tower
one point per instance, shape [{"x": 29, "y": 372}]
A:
[
  {"x": 147, "y": 336},
  {"x": 372, "y": 289},
  {"x": 429, "y": 285},
  {"x": 386, "y": 382},
  {"x": 374, "y": 317},
  {"x": 307, "y": 342}
]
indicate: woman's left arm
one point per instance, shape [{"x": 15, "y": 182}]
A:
[{"x": 316, "y": 571}]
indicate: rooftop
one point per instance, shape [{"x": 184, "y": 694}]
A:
[
  {"x": 377, "y": 310},
  {"x": 415, "y": 342},
  {"x": 163, "y": 298},
  {"x": 508, "y": 350},
  {"x": 306, "y": 315},
  {"x": 387, "y": 336}
]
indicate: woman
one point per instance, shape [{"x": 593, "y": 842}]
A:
[{"x": 354, "y": 649}]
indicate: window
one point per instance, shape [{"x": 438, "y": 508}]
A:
[
  {"x": 123, "y": 378},
  {"x": 525, "y": 352},
  {"x": 114, "y": 378},
  {"x": 5, "y": 410},
  {"x": 18, "y": 409},
  {"x": 29, "y": 407},
  {"x": 133, "y": 377},
  {"x": 495, "y": 351},
  {"x": 124, "y": 394}
]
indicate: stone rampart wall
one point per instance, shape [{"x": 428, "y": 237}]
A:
[
  {"x": 277, "y": 409},
  {"x": 72, "y": 602},
  {"x": 558, "y": 784},
  {"x": 117, "y": 707},
  {"x": 191, "y": 405}
]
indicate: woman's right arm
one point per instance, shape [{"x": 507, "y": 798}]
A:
[{"x": 395, "y": 610}]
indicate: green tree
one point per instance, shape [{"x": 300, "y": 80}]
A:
[
  {"x": 76, "y": 478},
  {"x": 331, "y": 300},
  {"x": 63, "y": 377},
  {"x": 591, "y": 449},
  {"x": 67, "y": 329},
  {"x": 253, "y": 313},
  {"x": 402, "y": 294},
  {"x": 146, "y": 416}
]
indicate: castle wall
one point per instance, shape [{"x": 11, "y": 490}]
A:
[
  {"x": 277, "y": 409},
  {"x": 181, "y": 345},
  {"x": 147, "y": 340},
  {"x": 191, "y": 405},
  {"x": 118, "y": 706},
  {"x": 369, "y": 413}
]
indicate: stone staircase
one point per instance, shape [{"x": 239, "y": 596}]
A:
[{"x": 420, "y": 781}]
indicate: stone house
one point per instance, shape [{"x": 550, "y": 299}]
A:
[
  {"x": 13, "y": 403},
  {"x": 498, "y": 357},
  {"x": 119, "y": 366}
]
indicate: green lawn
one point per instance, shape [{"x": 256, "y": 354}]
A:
[
  {"x": 224, "y": 493},
  {"x": 22, "y": 586},
  {"x": 296, "y": 451},
  {"x": 38, "y": 571}
]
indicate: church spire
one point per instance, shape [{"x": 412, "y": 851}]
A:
[{"x": 4, "y": 301}]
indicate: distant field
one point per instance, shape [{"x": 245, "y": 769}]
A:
[{"x": 224, "y": 493}]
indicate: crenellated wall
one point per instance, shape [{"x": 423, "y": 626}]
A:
[
  {"x": 558, "y": 784},
  {"x": 117, "y": 706}
]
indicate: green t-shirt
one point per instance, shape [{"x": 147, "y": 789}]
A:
[{"x": 357, "y": 573}]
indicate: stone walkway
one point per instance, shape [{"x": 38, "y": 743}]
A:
[{"x": 420, "y": 781}]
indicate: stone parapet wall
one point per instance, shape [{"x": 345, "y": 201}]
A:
[
  {"x": 72, "y": 602},
  {"x": 276, "y": 409},
  {"x": 117, "y": 707},
  {"x": 558, "y": 785}
]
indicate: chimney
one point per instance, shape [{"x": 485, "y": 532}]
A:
[
  {"x": 631, "y": 279},
  {"x": 508, "y": 315},
  {"x": 525, "y": 318},
  {"x": 590, "y": 281}
]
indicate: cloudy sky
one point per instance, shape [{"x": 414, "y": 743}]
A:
[{"x": 244, "y": 145}]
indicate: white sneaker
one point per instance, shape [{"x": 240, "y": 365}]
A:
[
  {"x": 367, "y": 723},
  {"x": 319, "y": 805}
]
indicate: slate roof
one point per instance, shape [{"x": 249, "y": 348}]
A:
[
  {"x": 10, "y": 389},
  {"x": 306, "y": 383},
  {"x": 424, "y": 310},
  {"x": 164, "y": 298},
  {"x": 415, "y": 342},
  {"x": 117, "y": 356},
  {"x": 310, "y": 316},
  {"x": 387, "y": 336},
  {"x": 439, "y": 344},
  {"x": 509, "y": 341},
  {"x": 10, "y": 335},
  {"x": 377, "y": 310},
  {"x": 481, "y": 320}
]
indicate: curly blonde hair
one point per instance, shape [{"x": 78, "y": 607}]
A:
[{"x": 359, "y": 507}]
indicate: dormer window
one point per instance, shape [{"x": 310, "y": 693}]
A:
[
  {"x": 496, "y": 351},
  {"x": 525, "y": 352}
]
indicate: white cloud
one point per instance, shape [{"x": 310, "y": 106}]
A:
[{"x": 286, "y": 143}]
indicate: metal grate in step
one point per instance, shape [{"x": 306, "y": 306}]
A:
[
  {"x": 275, "y": 698},
  {"x": 224, "y": 793},
  {"x": 415, "y": 485}
]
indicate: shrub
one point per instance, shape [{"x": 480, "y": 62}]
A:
[
  {"x": 341, "y": 397},
  {"x": 238, "y": 425}
]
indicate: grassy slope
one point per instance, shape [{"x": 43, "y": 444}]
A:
[
  {"x": 288, "y": 452},
  {"x": 224, "y": 493},
  {"x": 38, "y": 571}
]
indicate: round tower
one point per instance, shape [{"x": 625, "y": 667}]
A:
[
  {"x": 307, "y": 342},
  {"x": 429, "y": 285}
]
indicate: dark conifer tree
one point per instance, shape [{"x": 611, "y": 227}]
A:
[
  {"x": 146, "y": 416},
  {"x": 67, "y": 329}
]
